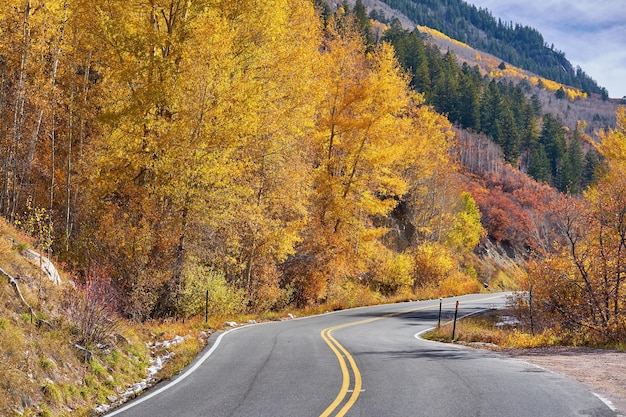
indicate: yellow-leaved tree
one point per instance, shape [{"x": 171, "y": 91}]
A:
[
  {"x": 202, "y": 161},
  {"x": 371, "y": 143},
  {"x": 260, "y": 136},
  {"x": 33, "y": 116}
]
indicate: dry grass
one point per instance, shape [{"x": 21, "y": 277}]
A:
[
  {"x": 41, "y": 373},
  {"x": 495, "y": 329}
]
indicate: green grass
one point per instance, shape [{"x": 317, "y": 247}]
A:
[
  {"x": 46, "y": 363},
  {"x": 97, "y": 368},
  {"x": 52, "y": 392}
]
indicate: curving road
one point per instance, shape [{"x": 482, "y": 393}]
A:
[{"x": 362, "y": 362}]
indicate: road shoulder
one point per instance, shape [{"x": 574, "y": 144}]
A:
[{"x": 603, "y": 371}]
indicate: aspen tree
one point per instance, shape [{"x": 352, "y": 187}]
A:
[
  {"x": 208, "y": 106},
  {"x": 368, "y": 152}
]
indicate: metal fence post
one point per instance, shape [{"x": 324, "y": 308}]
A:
[
  {"x": 206, "y": 307},
  {"x": 456, "y": 312},
  {"x": 439, "y": 321}
]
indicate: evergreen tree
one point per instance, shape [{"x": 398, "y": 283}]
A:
[
  {"x": 364, "y": 24},
  {"x": 469, "y": 98},
  {"x": 510, "y": 138},
  {"x": 490, "y": 107},
  {"x": 552, "y": 138},
  {"x": 562, "y": 177},
  {"x": 539, "y": 166},
  {"x": 411, "y": 54},
  {"x": 528, "y": 128},
  {"x": 445, "y": 88},
  {"x": 590, "y": 170},
  {"x": 576, "y": 164}
]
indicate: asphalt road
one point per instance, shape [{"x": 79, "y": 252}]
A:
[{"x": 362, "y": 362}]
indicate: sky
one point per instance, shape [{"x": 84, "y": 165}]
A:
[{"x": 591, "y": 33}]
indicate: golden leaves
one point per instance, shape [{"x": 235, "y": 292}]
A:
[{"x": 235, "y": 135}]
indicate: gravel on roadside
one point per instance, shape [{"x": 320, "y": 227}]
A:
[{"x": 603, "y": 371}]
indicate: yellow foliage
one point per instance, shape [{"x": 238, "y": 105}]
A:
[
  {"x": 435, "y": 33},
  {"x": 223, "y": 136},
  {"x": 467, "y": 230},
  {"x": 613, "y": 143},
  {"x": 346, "y": 293},
  {"x": 223, "y": 300},
  {"x": 374, "y": 138},
  {"x": 391, "y": 272},
  {"x": 514, "y": 72},
  {"x": 433, "y": 263},
  {"x": 572, "y": 93},
  {"x": 525, "y": 340},
  {"x": 207, "y": 135},
  {"x": 458, "y": 284}
]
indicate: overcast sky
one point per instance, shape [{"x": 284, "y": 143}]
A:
[{"x": 591, "y": 33}]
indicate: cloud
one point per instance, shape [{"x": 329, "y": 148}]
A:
[{"x": 591, "y": 33}]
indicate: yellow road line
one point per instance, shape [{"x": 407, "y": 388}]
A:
[
  {"x": 342, "y": 352},
  {"x": 357, "y": 382},
  {"x": 344, "y": 371}
]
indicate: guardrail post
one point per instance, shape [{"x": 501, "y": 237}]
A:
[
  {"x": 206, "y": 307},
  {"x": 456, "y": 313},
  {"x": 439, "y": 321}
]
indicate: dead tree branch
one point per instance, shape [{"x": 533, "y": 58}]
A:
[{"x": 13, "y": 282}]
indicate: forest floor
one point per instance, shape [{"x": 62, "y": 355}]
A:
[{"x": 603, "y": 371}]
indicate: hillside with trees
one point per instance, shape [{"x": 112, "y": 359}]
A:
[
  {"x": 254, "y": 151},
  {"x": 519, "y": 45},
  {"x": 280, "y": 155},
  {"x": 509, "y": 113}
]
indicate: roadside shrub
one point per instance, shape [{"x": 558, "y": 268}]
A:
[
  {"x": 224, "y": 299},
  {"x": 92, "y": 310},
  {"x": 458, "y": 284},
  {"x": 346, "y": 293},
  {"x": 520, "y": 339},
  {"x": 433, "y": 263},
  {"x": 393, "y": 274}
]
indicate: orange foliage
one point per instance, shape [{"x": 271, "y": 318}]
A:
[
  {"x": 580, "y": 283},
  {"x": 514, "y": 208}
]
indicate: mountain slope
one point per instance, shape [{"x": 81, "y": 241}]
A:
[
  {"x": 519, "y": 45},
  {"x": 595, "y": 111}
]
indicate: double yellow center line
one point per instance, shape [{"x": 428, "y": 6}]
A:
[{"x": 343, "y": 355}]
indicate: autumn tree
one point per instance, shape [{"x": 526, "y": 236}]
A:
[
  {"x": 202, "y": 151},
  {"x": 580, "y": 283},
  {"x": 32, "y": 105},
  {"x": 354, "y": 179},
  {"x": 273, "y": 157},
  {"x": 371, "y": 146},
  {"x": 466, "y": 231}
]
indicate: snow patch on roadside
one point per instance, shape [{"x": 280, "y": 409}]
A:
[
  {"x": 156, "y": 362},
  {"x": 508, "y": 321}
]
